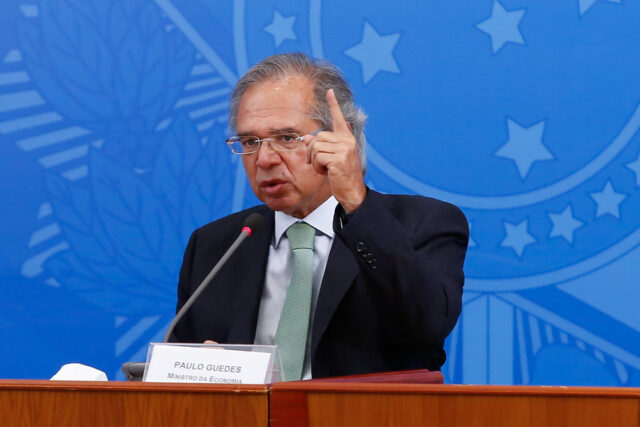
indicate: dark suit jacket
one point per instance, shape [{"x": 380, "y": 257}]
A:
[{"x": 390, "y": 294}]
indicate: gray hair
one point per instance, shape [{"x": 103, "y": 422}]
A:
[{"x": 323, "y": 75}]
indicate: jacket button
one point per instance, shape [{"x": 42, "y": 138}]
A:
[{"x": 361, "y": 247}]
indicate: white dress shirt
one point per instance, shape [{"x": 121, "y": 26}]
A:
[{"x": 278, "y": 274}]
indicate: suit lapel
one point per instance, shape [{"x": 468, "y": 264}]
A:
[
  {"x": 340, "y": 272},
  {"x": 250, "y": 263},
  {"x": 247, "y": 273}
]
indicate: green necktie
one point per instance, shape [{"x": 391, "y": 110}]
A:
[{"x": 293, "y": 327}]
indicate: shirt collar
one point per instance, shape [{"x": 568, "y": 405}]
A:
[{"x": 321, "y": 219}]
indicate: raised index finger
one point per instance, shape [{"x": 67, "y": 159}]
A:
[{"x": 339, "y": 124}]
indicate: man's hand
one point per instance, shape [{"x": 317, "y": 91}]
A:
[{"x": 336, "y": 155}]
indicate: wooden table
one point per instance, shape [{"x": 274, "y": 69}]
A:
[
  {"x": 115, "y": 404},
  {"x": 311, "y": 403},
  {"x": 349, "y": 404}
]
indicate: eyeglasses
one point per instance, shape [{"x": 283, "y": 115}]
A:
[{"x": 279, "y": 142}]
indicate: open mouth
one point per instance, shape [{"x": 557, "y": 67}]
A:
[{"x": 272, "y": 185}]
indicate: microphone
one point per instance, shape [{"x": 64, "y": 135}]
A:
[
  {"x": 134, "y": 370},
  {"x": 251, "y": 224}
]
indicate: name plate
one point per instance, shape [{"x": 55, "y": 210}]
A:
[{"x": 212, "y": 364}]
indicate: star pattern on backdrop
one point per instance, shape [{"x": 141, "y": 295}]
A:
[
  {"x": 517, "y": 237},
  {"x": 281, "y": 28},
  {"x": 375, "y": 52},
  {"x": 564, "y": 224},
  {"x": 585, "y": 5},
  {"x": 608, "y": 201},
  {"x": 502, "y": 26},
  {"x": 524, "y": 146},
  {"x": 635, "y": 167}
]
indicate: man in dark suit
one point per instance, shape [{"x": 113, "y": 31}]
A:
[{"x": 385, "y": 285}]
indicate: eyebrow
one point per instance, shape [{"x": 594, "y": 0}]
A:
[
  {"x": 245, "y": 134},
  {"x": 284, "y": 130}
]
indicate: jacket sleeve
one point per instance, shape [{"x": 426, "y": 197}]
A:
[{"x": 410, "y": 251}]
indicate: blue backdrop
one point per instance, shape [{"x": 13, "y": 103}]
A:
[{"x": 524, "y": 113}]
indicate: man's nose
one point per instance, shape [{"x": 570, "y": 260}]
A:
[{"x": 266, "y": 156}]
